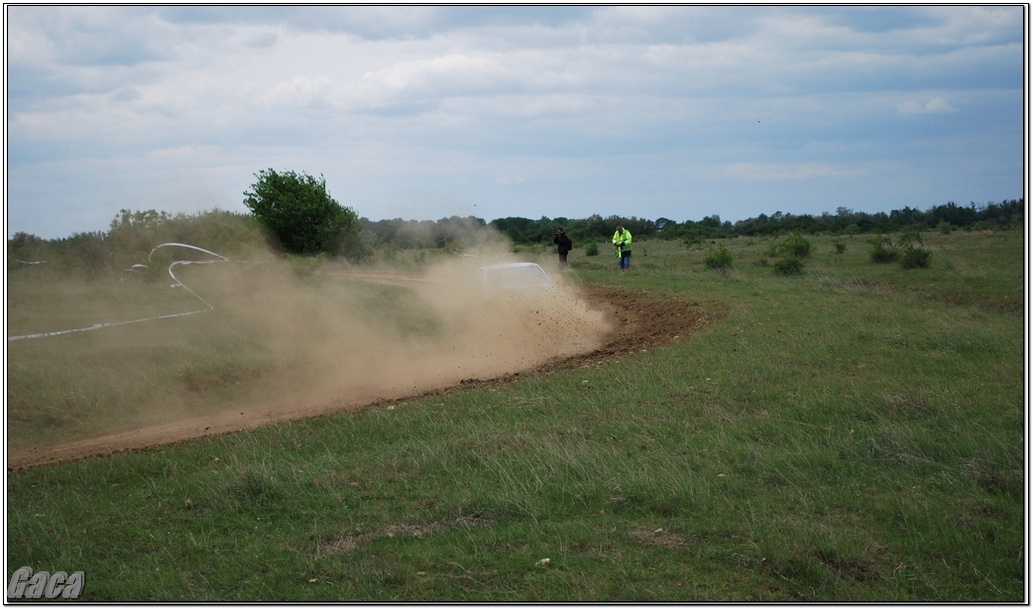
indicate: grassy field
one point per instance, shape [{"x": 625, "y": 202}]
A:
[{"x": 851, "y": 433}]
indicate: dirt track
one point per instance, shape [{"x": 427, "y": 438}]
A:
[{"x": 641, "y": 323}]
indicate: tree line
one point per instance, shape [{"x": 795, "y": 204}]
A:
[
  {"x": 843, "y": 222},
  {"x": 296, "y": 215}
]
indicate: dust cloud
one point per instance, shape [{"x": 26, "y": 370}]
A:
[
  {"x": 254, "y": 338},
  {"x": 353, "y": 336},
  {"x": 285, "y": 339}
]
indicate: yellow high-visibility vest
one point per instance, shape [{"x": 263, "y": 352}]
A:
[{"x": 623, "y": 240}]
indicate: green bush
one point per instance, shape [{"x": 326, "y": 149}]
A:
[
  {"x": 789, "y": 265},
  {"x": 797, "y": 246},
  {"x": 693, "y": 243},
  {"x": 913, "y": 255},
  {"x": 908, "y": 251},
  {"x": 882, "y": 251},
  {"x": 915, "y": 258},
  {"x": 592, "y": 249},
  {"x": 718, "y": 258}
]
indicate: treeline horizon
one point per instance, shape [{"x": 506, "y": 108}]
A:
[
  {"x": 135, "y": 233},
  {"x": 525, "y": 231}
]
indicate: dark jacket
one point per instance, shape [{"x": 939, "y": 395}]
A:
[{"x": 564, "y": 243}]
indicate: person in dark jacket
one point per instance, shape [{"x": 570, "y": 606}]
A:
[{"x": 563, "y": 246}]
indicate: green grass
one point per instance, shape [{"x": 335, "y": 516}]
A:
[{"x": 852, "y": 433}]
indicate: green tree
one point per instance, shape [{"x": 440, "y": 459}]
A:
[{"x": 301, "y": 214}]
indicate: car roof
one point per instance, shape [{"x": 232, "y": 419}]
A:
[
  {"x": 508, "y": 265},
  {"x": 512, "y": 275}
]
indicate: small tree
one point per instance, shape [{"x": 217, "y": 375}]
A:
[{"x": 299, "y": 212}]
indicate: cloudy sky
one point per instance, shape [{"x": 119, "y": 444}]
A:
[{"x": 423, "y": 112}]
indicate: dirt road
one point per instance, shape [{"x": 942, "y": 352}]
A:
[{"x": 640, "y": 322}]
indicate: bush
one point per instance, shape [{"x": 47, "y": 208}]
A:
[
  {"x": 913, "y": 255},
  {"x": 915, "y": 258},
  {"x": 882, "y": 251},
  {"x": 789, "y": 265},
  {"x": 797, "y": 246},
  {"x": 718, "y": 258},
  {"x": 908, "y": 251},
  {"x": 592, "y": 249},
  {"x": 693, "y": 243}
]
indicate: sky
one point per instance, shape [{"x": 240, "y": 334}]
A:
[{"x": 425, "y": 112}]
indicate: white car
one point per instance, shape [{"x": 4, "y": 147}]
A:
[{"x": 514, "y": 276}]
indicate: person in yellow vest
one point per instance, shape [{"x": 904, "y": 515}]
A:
[{"x": 622, "y": 240}]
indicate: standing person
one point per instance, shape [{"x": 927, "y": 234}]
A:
[
  {"x": 622, "y": 240},
  {"x": 563, "y": 246}
]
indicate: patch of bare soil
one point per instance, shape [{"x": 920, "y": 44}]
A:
[{"x": 640, "y": 323}]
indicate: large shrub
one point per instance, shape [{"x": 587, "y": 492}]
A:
[{"x": 301, "y": 214}]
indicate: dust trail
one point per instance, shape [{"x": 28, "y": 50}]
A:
[
  {"x": 281, "y": 337},
  {"x": 368, "y": 340},
  {"x": 101, "y": 325}
]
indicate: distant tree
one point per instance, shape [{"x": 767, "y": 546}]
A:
[
  {"x": 713, "y": 221},
  {"x": 303, "y": 217},
  {"x": 663, "y": 223},
  {"x": 25, "y": 248},
  {"x": 137, "y": 231},
  {"x": 595, "y": 228},
  {"x": 22, "y": 242}
]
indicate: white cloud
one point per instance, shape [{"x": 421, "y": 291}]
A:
[
  {"x": 935, "y": 105},
  {"x": 500, "y": 106}
]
